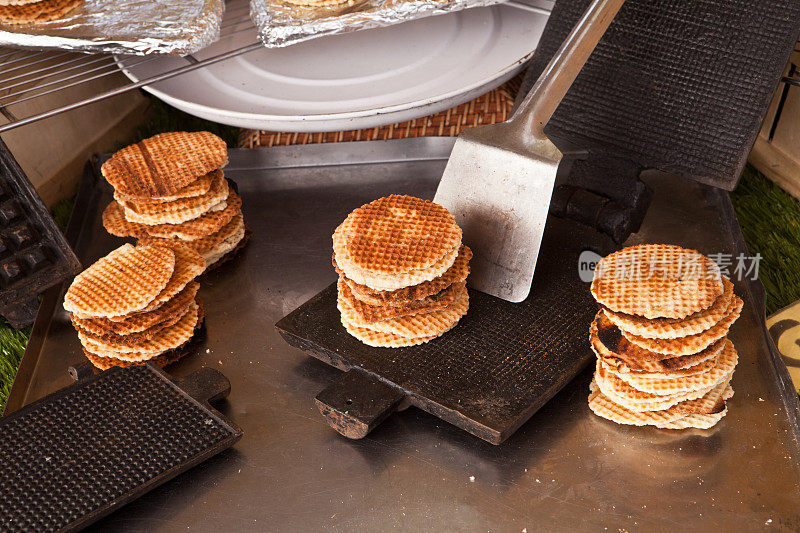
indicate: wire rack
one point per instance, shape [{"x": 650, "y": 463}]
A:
[
  {"x": 38, "y": 84},
  {"x": 35, "y": 85}
]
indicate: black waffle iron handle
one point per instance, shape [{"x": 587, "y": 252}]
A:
[
  {"x": 599, "y": 190},
  {"x": 206, "y": 385},
  {"x": 357, "y": 402}
]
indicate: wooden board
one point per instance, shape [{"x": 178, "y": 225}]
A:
[{"x": 488, "y": 375}]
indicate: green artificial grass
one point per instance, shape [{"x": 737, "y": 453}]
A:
[{"x": 770, "y": 221}]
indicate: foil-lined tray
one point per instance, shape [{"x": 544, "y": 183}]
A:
[
  {"x": 281, "y": 23},
  {"x": 124, "y": 26}
]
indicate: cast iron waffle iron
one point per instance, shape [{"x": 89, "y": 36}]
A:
[
  {"x": 76, "y": 455},
  {"x": 488, "y": 375},
  {"x": 34, "y": 255},
  {"x": 680, "y": 86}
]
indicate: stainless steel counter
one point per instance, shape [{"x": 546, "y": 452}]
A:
[{"x": 565, "y": 469}]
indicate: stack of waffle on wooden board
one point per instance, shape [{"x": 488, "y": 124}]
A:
[
  {"x": 137, "y": 304},
  {"x": 33, "y": 11},
  {"x": 402, "y": 271},
  {"x": 663, "y": 356},
  {"x": 169, "y": 190}
]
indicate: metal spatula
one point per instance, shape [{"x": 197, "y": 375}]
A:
[{"x": 499, "y": 178}]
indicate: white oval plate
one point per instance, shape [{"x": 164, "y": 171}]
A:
[{"x": 355, "y": 80}]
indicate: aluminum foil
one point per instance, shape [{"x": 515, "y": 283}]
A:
[
  {"x": 125, "y": 26},
  {"x": 280, "y": 23}
]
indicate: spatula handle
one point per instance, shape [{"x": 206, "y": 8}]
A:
[{"x": 544, "y": 97}]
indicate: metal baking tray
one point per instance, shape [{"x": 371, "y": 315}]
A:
[{"x": 564, "y": 469}]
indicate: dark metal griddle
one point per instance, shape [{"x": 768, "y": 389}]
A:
[
  {"x": 563, "y": 470},
  {"x": 75, "y": 456}
]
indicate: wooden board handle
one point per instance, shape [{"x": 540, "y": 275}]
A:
[{"x": 357, "y": 402}]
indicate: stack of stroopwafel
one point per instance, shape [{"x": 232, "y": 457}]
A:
[
  {"x": 663, "y": 356},
  {"x": 402, "y": 271},
  {"x": 137, "y": 304},
  {"x": 169, "y": 191},
  {"x": 32, "y": 11}
]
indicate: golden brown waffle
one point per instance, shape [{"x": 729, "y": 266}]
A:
[
  {"x": 233, "y": 253},
  {"x": 125, "y": 281},
  {"x": 458, "y": 272},
  {"x": 671, "y": 328},
  {"x": 710, "y": 404},
  {"x": 116, "y": 224},
  {"x": 691, "y": 343},
  {"x": 371, "y": 313},
  {"x": 603, "y": 406},
  {"x": 168, "y": 339},
  {"x": 178, "y": 211},
  {"x": 162, "y": 360},
  {"x": 164, "y": 164},
  {"x": 132, "y": 339},
  {"x": 202, "y": 226},
  {"x": 697, "y": 421},
  {"x": 197, "y": 188},
  {"x": 188, "y": 265},
  {"x": 624, "y": 356},
  {"x": 411, "y": 326},
  {"x": 657, "y": 281},
  {"x": 385, "y": 282},
  {"x": 698, "y": 368},
  {"x": 396, "y": 238},
  {"x": 208, "y": 247},
  {"x": 635, "y": 400},
  {"x": 721, "y": 371},
  {"x": 33, "y": 12},
  {"x": 164, "y": 316},
  {"x": 379, "y": 339}
]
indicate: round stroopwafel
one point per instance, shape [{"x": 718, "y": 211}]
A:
[
  {"x": 208, "y": 247},
  {"x": 696, "y": 421},
  {"x": 197, "y": 188},
  {"x": 125, "y": 281},
  {"x": 670, "y": 328},
  {"x": 161, "y": 360},
  {"x": 164, "y": 316},
  {"x": 164, "y": 164},
  {"x": 614, "y": 349},
  {"x": 33, "y": 12},
  {"x": 181, "y": 210},
  {"x": 371, "y": 313},
  {"x": 635, "y": 400},
  {"x": 691, "y": 343},
  {"x": 711, "y": 403},
  {"x": 604, "y": 407},
  {"x": 202, "y": 226},
  {"x": 699, "y": 368},
  {"x": 385, "y": 282},
  {"x": 411, "y": 326},
  {"x": 390, "y": 237},
  {"x": 721, "y": 371},
  {"x": 458, "y": 272},
  {"x": 232, "y": 253},
  {"x": 116, "y": 224},
  {"x": 188, "y": 265},
  {"x": 168, "y": 339},
  {"x": 132, "y": 339},
  {"x": 657, "y": 281},
  {"x": 379, "y": 339}
]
